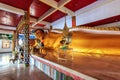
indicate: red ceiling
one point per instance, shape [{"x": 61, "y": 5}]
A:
[
  {"x": 10, "y": 19},
  {"x": 53, "y": 17},
  {"x": 57, "y": 0},
  {"x": 74, "y": 5},
  {"x": 38, "y": 25},
  {"x": 38, "y": 8},
  {"x": 104, "y": 21},
  {"x": 22, "y": 4}
]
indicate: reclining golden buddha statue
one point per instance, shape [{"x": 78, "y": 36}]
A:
[{"x": 80, "y": 40}]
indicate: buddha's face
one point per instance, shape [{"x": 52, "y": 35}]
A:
[{"x": 39, "y": 34}]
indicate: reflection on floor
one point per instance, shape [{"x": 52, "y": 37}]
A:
[
  {"x": 4, "y": 59},
  {"x": 100, "y": 66},
  {"x": 10, "y": 71}
]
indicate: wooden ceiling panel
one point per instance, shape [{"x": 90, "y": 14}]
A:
[
  {"x": 22, "y": 4},
  {"x": 55, "y": 16},
  {"x": 41, "y": 25},
  {"x": 75, "y": 5},
  {"x": 38, "y": 8},
  {"x": 10, "y": 19},
  {"x": 57, "y": 0}
]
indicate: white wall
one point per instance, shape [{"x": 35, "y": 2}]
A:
[
  {"x": 60, "y": 23},
  {"x": 115, "y": 24},
  {"x": 101, "y": 9},
  {"x": 105, "y": 11},
  {"x": 5, "y": 49}
]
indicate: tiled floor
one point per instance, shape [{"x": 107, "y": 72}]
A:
[{"x": 10, "y": 71}]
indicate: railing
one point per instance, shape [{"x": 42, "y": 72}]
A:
[{"x": 56, "y": 71}]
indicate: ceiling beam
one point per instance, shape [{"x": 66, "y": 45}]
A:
[
  {"x": 55, "y": 6},
  {"x": 46, "y": 14},
  {"x": 59, "y": 6},
  {"x": 45, "y": 22},
  {"x": 66, "y": 10},
  {"x": 7, "y": 27},
  {"x": 6, "y": 31},
  {"x": 33, "y": 19},
  {"x": 61, "y": 3},
  {"x": 11, "y": 9},
  {"x": 42, "y": 22},
  {"x": 51, "y": 3},
  {"x": 49, "y": 12}
]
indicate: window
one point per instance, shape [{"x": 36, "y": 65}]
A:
[{"x": 5, "y": 44}]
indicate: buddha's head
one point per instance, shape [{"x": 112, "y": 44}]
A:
[{"x": 39, "y": 33}]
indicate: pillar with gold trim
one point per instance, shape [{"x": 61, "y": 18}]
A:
[
  {"x": 17, "y": 38},
  {"x": 14, "y": 41},
  {"x": 26, "y": 40}
]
